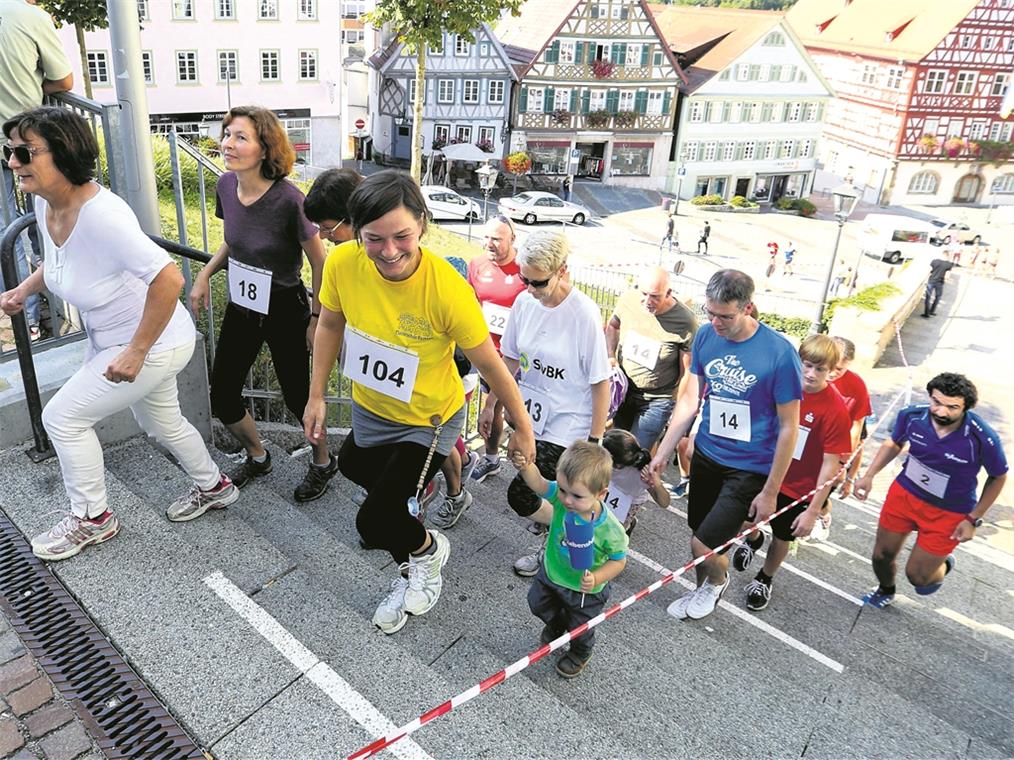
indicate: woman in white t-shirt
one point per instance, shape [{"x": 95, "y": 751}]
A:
[
  {"x": 555, "y": 344},
  {"x": 126, "y": 288}
]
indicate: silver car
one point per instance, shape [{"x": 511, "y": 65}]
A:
[
  {"x": 536, "y": 206},
  {"x": 953, "y": 232}
]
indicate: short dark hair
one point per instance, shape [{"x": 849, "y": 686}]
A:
[
  {"x": 68, "y": 137},
  {"x": 954, "y": 385},
  {"x": 382, "y": 193},
  {"x": 624, "y": 449},
  {"x": 728, "y": 285},
  {"x": 329, "y": 196}
]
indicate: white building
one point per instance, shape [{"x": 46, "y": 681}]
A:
[
  {"x": 752, "y": 113},
  {"x": 201, "y": 56}
]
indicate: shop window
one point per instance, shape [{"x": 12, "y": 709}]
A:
[{"x": 631, "y": 161}]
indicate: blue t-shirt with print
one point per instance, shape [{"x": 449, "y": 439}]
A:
[
  {"x": 944, "y": 471},
  {"x": 745, "y": 382}
]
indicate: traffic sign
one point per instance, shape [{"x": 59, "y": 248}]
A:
[{"x": 360, "y": 123}]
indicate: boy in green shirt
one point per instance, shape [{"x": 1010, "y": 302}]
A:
[{"x": 561, "y": 596}]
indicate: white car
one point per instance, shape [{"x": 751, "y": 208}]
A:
[
  {"x": 444, "y": 203},
  {"x": 954, "y": 232},
  {"x": 534, "y": 206}
]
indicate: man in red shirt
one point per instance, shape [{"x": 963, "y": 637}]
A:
[
  {"x": 496, "y": 280},
  {"x": 823, "y": 444}
]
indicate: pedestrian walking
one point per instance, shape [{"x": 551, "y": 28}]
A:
[
  {"x": 568, "y": 185},
  {"x": 772, "y": 259},
  {"x": 790, "y": 255},
  {"x": 703, "y": 239},
  {"x": 935, "y": 284},
  {"x": 670, "y": 231}
]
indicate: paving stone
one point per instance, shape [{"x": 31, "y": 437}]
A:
[
  {"x": 31, "y": 697},
  {"x": 49, "y": 718},
  {"x": 16, "y": 674},
  {"x": 10, "y": 736},
  {"x": 67, "y": 743},
  {"x": 25, "y": 754},
  {"x": 10, "y": 646}
]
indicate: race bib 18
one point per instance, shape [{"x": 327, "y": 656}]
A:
[
  {"x": 388, "y": 369},
  {"x": 249, "y": 287}
]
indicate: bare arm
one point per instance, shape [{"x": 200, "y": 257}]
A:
[
  {"x": 885, "y": 454},
  {"x": 682, "y": 415},
  {"x": 159, "y": 305},
  {"x": 314, "y": 250},
  {"x": 684, "y": 360},
  {"x": 200, "y": 293},
  {"x": 600, "y": 408},
  {"x": 12, "y": 301},
  {"x": 608, "y": 570},
  {"x": 327, "y": 345},
  {"x": 52, "y": 86},
  {"x": 965, "y": 531},
  {"x": 502, "y": 387},
  {"x": 612, "y": 338}
]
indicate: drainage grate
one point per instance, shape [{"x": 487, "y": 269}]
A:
[{"x": 127, "y": 719}]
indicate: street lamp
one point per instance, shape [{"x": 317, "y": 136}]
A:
[
  {"x": 680, "y": 173},
  {"x": 845, "y": 199},
  {"x": 487, "y": 181}
]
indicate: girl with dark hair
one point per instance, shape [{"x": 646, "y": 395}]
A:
[
  {"x": 398, "y": 310},
  {"x": 266, "y": 236},
  {"x": 97, "y": 257},
  {"x": 632, "y": 482}
]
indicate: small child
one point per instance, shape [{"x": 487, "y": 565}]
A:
[
  {"x": 562, "y": 596},
  {"x": 632, "y": 483}
]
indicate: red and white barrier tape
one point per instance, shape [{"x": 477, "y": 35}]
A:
[{"x": 533, "y": 657}]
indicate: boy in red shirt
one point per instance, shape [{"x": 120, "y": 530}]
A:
[{"x": 823, "y": 444}]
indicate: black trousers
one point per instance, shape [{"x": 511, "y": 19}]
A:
[
  {"x": 390, "y": 474},
  {"x": 239, "y": 341},
  {"x": 520, "y": 497},
  {"x": 560, "y": 608}
]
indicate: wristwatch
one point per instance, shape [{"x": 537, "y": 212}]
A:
[
  {"x": 976, "y": 521},
  {"x": 593, "y": 439}
]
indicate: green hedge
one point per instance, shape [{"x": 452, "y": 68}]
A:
[
  {"x": 707, "y": 200},
  {"x": 868, "y": 299}
]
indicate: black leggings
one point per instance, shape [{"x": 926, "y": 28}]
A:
[
  {"x": 239, "y": 341},
  {"x": 523, "y": 499},
  {"x": 390, "y": 474}
]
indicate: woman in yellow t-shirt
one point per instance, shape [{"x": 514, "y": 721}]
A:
[{"x": 398, "y": 310}]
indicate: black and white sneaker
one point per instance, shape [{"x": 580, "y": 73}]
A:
[
  {"x": 317, "y": 478},
  {"x": 743, "y": 555},
  {"x": 758, "y": 594}
]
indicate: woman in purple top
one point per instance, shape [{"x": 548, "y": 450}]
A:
[{"x": 266, "y": 235}]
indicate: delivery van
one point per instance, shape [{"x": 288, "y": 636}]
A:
[{"x": 895, "y": 238}]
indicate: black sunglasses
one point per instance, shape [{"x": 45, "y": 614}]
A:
[
  {"x": 535, "y": 283},
  {"x": 23, "y": 153},
  {"x": 506, "y": 220}
]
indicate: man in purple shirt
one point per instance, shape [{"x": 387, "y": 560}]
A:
[{"x": 935, "y": 495}]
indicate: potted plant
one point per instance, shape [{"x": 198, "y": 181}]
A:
[
  {"x": 953, "y": 146},
  {"x": 560, "y": 117},
  {"x": 517, "y": 164},
  {"x": 439, "y": 143},
  {"x": 598, "y": 118},
  {"x": 626, "y": 119},
  {"x": 929, "y": 143},
  {"x": 603, "y": 69},
  {"x": 485, "y": 145}
]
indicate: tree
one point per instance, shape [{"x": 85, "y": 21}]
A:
[
  {"x": 86, "y": 16},
  {"x": 420, "y": 24}
]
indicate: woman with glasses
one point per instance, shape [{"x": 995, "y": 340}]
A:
[
  {"x": 266, "y": 236},
  {"x": 97, "y": 257},
  {"x": 398, "y": 310},
  {"x": 554, "y": 339}
]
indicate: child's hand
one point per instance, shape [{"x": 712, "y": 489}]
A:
[
  {"x": 650, "y": 477},
  {"x": 518, "y": 460},
  {"x": 588, "y": 581}
]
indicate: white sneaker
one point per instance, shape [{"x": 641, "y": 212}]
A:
[
  {"x": 424, "y": 579},
  {"x": 451, "y": 510},
  {"x": 390, "y": 616},
  {"x": 706, "y": 599},
  {"x": 678, "y": 609},
  {"x": 528, "y": 564},
  {"x": 821, "y": 528},
  {"x": 358, "y": 495}
]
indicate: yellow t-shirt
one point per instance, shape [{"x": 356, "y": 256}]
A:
[{"x": 428, "y": 314}]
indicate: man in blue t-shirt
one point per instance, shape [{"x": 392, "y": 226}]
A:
[
  {"x": 749, "y": 425},
  {"x": 935, "y": 494}
]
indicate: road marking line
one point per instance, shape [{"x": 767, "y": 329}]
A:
[
  {"x": 975, "y": 625},
  {"x": 792, "y": 569},
  {"x": 769, "y": 629},
  {"x": 318, "y": 672}
]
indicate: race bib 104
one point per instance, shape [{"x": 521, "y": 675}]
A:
[{"x": 385, "y": 368}]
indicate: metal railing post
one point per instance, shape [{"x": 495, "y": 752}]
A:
[{"x": 33, "y": 399}]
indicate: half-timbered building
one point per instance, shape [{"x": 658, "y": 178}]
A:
[
  {"x": 751, "y": 112},
  {"x": 920, "y": 84},
  {"x": 466, "y": 99},
  {"x": 599, "y": 93}
]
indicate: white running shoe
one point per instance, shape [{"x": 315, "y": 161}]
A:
[
  {"x": 706, "y": 599},
  {"x": 424, "y": 579},
  {"x": 390, "y": 616},
  {"x": 678, "y": 609}
]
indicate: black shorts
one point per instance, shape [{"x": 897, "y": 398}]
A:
[
  {"x": 719, "y": 500},
  {"x": 781, "y": 526}
]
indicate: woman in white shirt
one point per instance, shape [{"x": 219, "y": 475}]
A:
[
  {"x": 126, "y": 288},
  {"x": 554, "y": 342}
]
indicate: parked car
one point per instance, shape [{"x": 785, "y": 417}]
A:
[
  {"x": 895, "y": 238},
  {"x": 444, "y": 203},
  {"x": 953, "y": 232},
  {"x": 535, "y": 206}
]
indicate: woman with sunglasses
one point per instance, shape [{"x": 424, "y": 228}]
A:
[
  {"x": 554, "y": 338},
  {"x": 97, "y": 257},
  {"x": 398, "y": 310},
  {"x": 266, "y": 235}
]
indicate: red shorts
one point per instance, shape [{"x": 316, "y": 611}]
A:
[{"x": 904, "y": 512}]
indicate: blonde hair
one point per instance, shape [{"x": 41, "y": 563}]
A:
[
  {"x": 821, "y": 350},
  {"x": 586, "y": 463},
  {"x": 544, "y": 250}
]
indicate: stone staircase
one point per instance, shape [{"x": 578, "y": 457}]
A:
[{"x": 914, "y": 683}]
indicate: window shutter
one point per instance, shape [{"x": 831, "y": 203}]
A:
[
  {"x": 739, "y": 152},
  {"x": 573, "y": 100},
  {"x": 641, "y": 102},
  {"x": 592, "y": 47},
  {"x": 820, "y": 112},
  {"x": 585, "y": 100},
  {"x": 726, "y": 111},
  {"x": 612, "y": 101},
  {"x": 523, "y": 100},
  {"x": 594, "y": 10},
  {"x": 578, "y": 52},
  {"x": 614, "y": 52},
  {"x": 666, "y": 102},
  {"x": 624, "y": 12},
  {"x": 645, "y": 54},
  {"x": 553, "y": 52},
  {"x": 766, "y": 112},
  {"x": 548, "y": 101}
]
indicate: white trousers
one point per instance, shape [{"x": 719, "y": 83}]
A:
[{"x": 88, "y": 397}]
